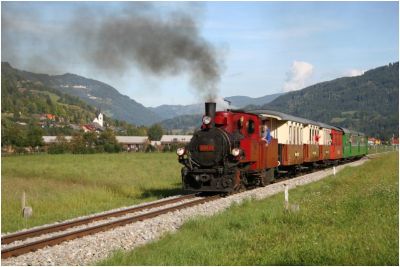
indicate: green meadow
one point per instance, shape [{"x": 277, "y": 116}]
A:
[
  {"x": 65, "y": 186},
  {"x": 349, "y": 219}
]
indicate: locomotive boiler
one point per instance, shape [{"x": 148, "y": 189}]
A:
[{"x": 211, "y": 158}]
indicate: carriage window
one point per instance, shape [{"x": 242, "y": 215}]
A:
[
  {"x": 298, "y": 136},
  {"x": 250, "y": 127},
  {"x": 301, "y": 135}
]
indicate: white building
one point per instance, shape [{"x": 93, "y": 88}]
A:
[{"x": 99, "y": 119}]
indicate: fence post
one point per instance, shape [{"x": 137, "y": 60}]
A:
[
  {"x": 286, "y": 196},
  {"x": 26, "y": 211}
]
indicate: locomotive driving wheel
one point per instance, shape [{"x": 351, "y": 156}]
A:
[
  {"x": 266, "y": 177},
  {"x": 238, "y": 183}
]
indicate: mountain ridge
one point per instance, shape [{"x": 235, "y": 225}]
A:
[
  {"x": 95, "y": 93},
  {"x": 350, "y": 102}
]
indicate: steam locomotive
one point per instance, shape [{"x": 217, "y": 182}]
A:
[{"x": 237, "y": 149}]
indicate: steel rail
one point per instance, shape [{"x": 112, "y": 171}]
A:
[
  {"x": 51, "y": 241},
  {"x": 7, "y": 239}
]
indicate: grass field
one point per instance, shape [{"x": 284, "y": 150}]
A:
[
  {"x": 381, "y": 149},
  {"x": 66, "y": 186},
  {"x": 349, "y": 219}
]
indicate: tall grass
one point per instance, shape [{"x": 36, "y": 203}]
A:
[
  {"x": 65, "y": 186},
  {"x": 381, "y": 149},
  {"x": 349, "y": 219}
]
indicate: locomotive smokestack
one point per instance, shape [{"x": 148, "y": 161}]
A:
[{"x": 210, "y": 108}]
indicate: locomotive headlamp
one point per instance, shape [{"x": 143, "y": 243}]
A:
[
  {"x": 180, "y": 151},
  {"x": 206, "y": 120},
  {"x": 235, "y": 152}
]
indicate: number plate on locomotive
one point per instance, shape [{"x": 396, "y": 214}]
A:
[{"x": 206, "y": 148}]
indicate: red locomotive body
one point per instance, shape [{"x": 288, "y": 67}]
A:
[{"x": 257, "y": 153}]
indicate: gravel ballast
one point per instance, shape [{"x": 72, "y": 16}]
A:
[{"x": 89, "y": 249}]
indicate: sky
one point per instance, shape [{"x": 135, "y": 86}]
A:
[{"x": 257, "y": 48}]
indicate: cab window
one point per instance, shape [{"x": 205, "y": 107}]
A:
[{"x": 250, "y": 126}]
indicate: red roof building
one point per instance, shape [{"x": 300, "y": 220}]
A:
[{"x": 395, "y": 141}]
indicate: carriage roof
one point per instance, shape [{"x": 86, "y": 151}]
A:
[{"x": 287, "y": 117}]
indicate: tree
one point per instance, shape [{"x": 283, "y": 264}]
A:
[
  {"x": 108, "y": 142},
  {"x": 59, "y": 147},
  {"x": 155, "y": 132},
  {"x": 90, "y": 139},
  {"x": 78, "y": 145},
  {"x": 34, "y": 136},
  {"x": 12, "y": 134}
]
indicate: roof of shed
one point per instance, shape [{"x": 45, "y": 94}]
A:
[
  {"x": 52, "y": 139},
  {"x": 176, "y": 138},
  {"x": 132, "y": 139}
]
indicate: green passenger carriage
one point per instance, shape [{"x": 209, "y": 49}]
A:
[{"x": 355, "y": 144}]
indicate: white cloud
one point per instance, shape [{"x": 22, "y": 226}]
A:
[
  {"x": 298, "y": 76},
  {"x": 354, "y": 72}
]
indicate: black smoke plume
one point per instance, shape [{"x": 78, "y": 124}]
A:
[
  {"x": 114, "y": 41},
  {"x": 156, "y": 44}
]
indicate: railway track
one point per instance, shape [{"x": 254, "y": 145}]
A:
[{"x": 17, "y": 250}]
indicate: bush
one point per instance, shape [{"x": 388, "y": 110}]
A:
[
  {"x": 171, "y": 147},
  {"x": 57, "y": 149},
  {"x": 150, "y": 148},
  {"x": 60, "y": 147}
]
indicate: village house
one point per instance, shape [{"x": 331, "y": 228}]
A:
[
  {"x": 394, "y": 141},
  {"x": 133, "y": 143},
  {"x": 47, "y": 116},
  {"x": 47, "y": 139},
  {"x": 169, "y": 140},
  {"x": 374, "y": 141},
  {"x": 129, "y": 143},
  {"x": 96, "y": 126}
]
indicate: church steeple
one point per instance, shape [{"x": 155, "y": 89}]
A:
[{"x": 99, "y": 118}]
